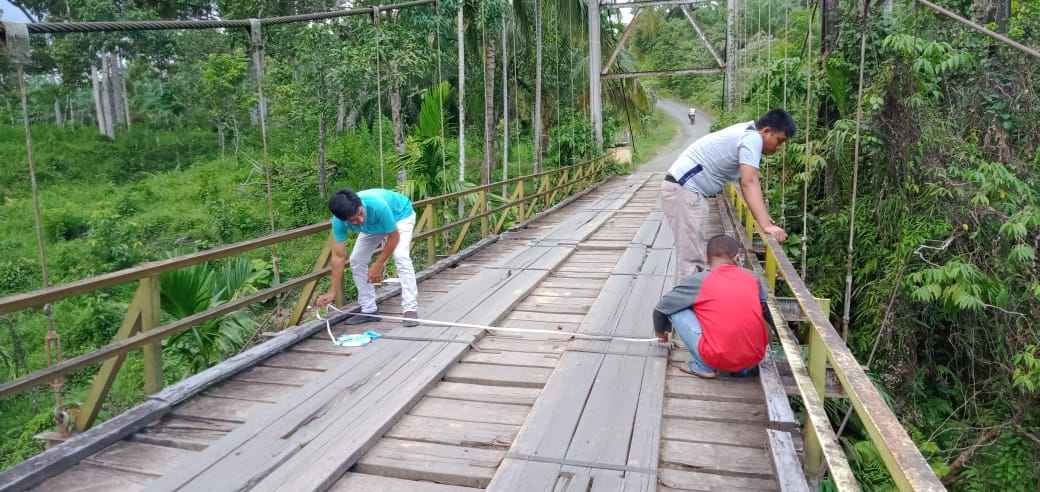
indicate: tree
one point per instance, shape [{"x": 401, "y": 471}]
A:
[{"x": 224, "y": 91}]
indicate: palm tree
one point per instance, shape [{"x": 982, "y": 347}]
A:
[{"x": 201, "y": 287}]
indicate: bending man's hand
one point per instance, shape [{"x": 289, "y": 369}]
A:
[
  {"x": 324, "y": 299},
  {"x": 775, "y": 231},
  {"x": 375, "y": 272}
]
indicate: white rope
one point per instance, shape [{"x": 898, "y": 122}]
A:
[{"x": 583, "y": 336}]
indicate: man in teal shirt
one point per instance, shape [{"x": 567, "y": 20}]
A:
[{"x": 378, "y": 216}]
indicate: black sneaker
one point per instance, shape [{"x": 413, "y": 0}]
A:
[{"x": 360, "y": 319}]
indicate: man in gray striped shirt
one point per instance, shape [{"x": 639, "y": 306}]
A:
[{"x": 702, "y": 171}]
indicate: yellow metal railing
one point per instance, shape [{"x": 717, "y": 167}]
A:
[
  {"x": 906, "y": 465},
  {"x": 140, "y": 327}
]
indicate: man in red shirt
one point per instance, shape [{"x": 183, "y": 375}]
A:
[{"x": 720, "y": 314}]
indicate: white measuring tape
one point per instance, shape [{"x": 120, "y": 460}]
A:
[{"x": 583, "y": 336}]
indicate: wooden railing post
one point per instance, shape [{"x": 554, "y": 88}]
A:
[
  {"x": 484, "y": 208},
  {"x": 150, "y": 317},
  {"x": 431, "y": 243},
  {"x": 88, "y": 411},
  {"x": 818, "y": 375},
  {"x": 520, "y": 208},
  {"x": 307, "y": 291},
  {"x": 771, "y": 267}
]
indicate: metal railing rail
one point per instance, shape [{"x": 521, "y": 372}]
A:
[
  {"x": 140, "y": 325},
  {"x": 906, "y": 465}
]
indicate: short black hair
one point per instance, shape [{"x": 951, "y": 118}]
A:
[
  {"x": 345, "y": 204},
  {"x": 722, "y": 246},
  {"x": 779, "y": 120}
]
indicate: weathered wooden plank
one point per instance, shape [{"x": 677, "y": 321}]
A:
[
  {"x": 631, "y": 261},
  {"x": 673, "y": 479},
  {"x": 646, "y": 432},
  {"x": 556, "y": 301},
  {"x": 714, "y": 432},
  {"x": 254, "y": 448},
  {"x": 647, "y": 233},
  {"x": 551, "y": 307},
  {"x": 516, "y": 345},
  {"x": 551, "y": 326},
  {"x": 717, "y": 411},
  {"x": 276, "y": 375},
  {"x": 492, "y": 374},
  {"x": 566, "y": 293},
  {"x": 336, "y": 449},
  {"x": 455, "y": 432},
  {"x": 718, "y": 458},
  {"x": 551, "y": 423},
  {"x": 603, "y": 316},
  {"x": 320, "y": 344},
  {"x": 520, "y": 359},
  {"x": 656, "y": 262},
  {"x": 665, "y": 238},
  {"x": 357, "y": 482},
  {"x": 682, "y": 385},
  {"x": 452, "y": 465},
  {"x": 605, "y": 427},
  {"x": 90, "y": 478},
  {"x": 471, "y": 411},
  {"x": 228, "y": 409},
  {"x": 522, "y": 476},
  {"x": 262, "y": 392},
  {"x": 572, "y": 283},
  {"x": 140, "y": 457},
  {"x": 598, "y": 275},
  {"x": 636, "y": 319},
  {"x": 780, "y": 414},
  {"x": 484, "y": 393},
  {"x": 184, "y": 433},
  {"x": 546, "y": 317},
  {"x": 786, "y": 466}
]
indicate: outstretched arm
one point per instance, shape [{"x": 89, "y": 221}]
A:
[
  {"x": 338, "y": 263},
  {"x": 751, "y": 188}
]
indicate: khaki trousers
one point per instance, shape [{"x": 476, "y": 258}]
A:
[{"x": 687, "y": 213}]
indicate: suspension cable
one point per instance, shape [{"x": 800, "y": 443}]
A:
[
  {"x": 855, "y": 176},
  {"x": 440, "y": 97},
  {"x": 783, "y": 156},
  {"x": 18, "y": 46},
  {"x": 808, "y": 144},
  {"x": 379, "y": 96},
  {"x": 257, "y": 39}
]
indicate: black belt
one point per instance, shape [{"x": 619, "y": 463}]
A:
[{"x": 685, "y": 177}]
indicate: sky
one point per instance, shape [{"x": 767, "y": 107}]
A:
[{"x": 12, "y": 13}]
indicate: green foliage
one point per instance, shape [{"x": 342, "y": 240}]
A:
[
  {"x": 426, "y": 159},
  {"x": 204, "y": 286}
]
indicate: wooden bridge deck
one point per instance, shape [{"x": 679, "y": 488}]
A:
[{"x": 455, "y": 409}]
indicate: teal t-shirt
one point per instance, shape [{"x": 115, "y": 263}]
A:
[{"x": 383, "y": 208}]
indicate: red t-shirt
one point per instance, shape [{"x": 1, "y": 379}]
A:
[{"x": 729, "y": 309}]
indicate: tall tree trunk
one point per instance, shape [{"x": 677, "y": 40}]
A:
[
  {"x": 321, "y": 156},
  {"x": 106, "y": 99},
  {"x": 537, "y": 120},
  {"x": 505, "y": 109},
  {"x": 398, "y": 121},
  {"x": 489, "y": 111},
  {"x": 220, "y": 137},
  {"x": 58, "y": 119},
  {"x": 99, "y": 112},
  {"x": 126, "y": 100},
  {"x": 341, "y": 111}
]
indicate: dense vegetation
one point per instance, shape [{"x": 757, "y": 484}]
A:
[
  {"x": 946, "y": 276},
  {"x": 177, "y": 165}
]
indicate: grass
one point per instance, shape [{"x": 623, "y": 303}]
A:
[{"x": 656, "y": 133}]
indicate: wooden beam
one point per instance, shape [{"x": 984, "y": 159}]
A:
[
  {"x": 662, "y": 73},
  {"x": 700, "y": 32},
  {"x": 621, "y": 42}
]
